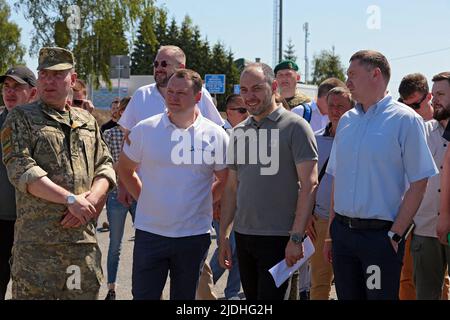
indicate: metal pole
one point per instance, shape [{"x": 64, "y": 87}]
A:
[
  {"x": 306, "y": 29},
  {"x": 280, "y": 44}
]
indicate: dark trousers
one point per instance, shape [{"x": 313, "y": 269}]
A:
[
  {"x": 155, "y": 256},
  {"x": 6, "y": 244},
  {"x": 365, "y": 265},
  {"x": 256, "y": 255}
]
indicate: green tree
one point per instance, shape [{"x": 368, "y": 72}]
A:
[
  {"x": 326, "y": 65},
  {"x": 97, "y": 31},
  {"x": 289, "y": 53},
  {"x": 172, "y": 34},
  {"x": 11, "y": 51},
  {"x": 199, "y": 55},
  {"x": 145, "y": 45}
]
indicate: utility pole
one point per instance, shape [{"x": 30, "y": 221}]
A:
[
  {"x": 280, "y": 43},
  {"x": 307, "y": 34},
  {"x": 277, "y": 53}
]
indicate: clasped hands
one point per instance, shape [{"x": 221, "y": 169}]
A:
[{"x": 82, "y": 211}]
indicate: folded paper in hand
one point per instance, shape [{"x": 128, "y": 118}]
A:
[{"x": 281, "y": 272}]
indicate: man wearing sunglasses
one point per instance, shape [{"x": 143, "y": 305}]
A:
[
  {"x": 415, "y": 93},
  {"x": 235, "y": 110},
  {"x": 148, "y": 100}
]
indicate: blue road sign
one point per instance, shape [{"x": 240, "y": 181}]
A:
[
  {"x": 236, "y": 89},
  {"x": 215, "y": 83}
]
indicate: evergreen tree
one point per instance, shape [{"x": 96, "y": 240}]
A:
[
  {"x": 326, "y": 65},
  {"x": 146, "y": 45},
  {"x": 173, "y": 34},
  {"x": 289, "y": 53}
]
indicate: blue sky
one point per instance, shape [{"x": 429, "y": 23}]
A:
[{"x": 246, "y": 27}]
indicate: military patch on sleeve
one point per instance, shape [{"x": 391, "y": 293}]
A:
[{"x": 6, "y": 140}]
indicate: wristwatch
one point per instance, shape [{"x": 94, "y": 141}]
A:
[
  {"x": 394, "y": 236},
  {"x": 296, "y": 238},
  {"x": 70, "y": 199}
]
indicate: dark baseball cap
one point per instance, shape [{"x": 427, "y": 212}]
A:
[{"x": 21, "y": 74}]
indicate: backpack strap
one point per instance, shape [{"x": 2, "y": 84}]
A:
[{"x": 307, "y": 113}]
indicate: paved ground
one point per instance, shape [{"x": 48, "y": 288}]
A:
[{"x": 123, "y": 290}]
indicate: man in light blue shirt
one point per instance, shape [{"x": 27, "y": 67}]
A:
[{"x": 380, "y": 148}]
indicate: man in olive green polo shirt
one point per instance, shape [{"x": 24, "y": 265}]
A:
[{"x": 269, "y": 211}]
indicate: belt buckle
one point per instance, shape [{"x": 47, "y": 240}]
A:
[{"x": 350, "y": 223}]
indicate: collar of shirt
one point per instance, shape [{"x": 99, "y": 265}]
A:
[
  {"x": 167, "y": 123},
  {"x": 274, "y": 116},
  {"x": 325, "y": 131},
  {"x": 436, "y": 126},
  {"x": 154, "y": 91},
  {"x": 4, "y": 112},
  {"x": 227, "y": 125},
  {"x": 377, "y": 108}
]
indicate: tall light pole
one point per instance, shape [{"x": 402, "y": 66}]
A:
[
  {"x": 277, "y": 53},
  {"x": 280, "y": 39},
  {"x": 306, "y": 29}
]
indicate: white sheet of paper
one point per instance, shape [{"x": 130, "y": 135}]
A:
[{"x": 281, "y": 272}]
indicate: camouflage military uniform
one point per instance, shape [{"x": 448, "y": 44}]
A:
[
  {"x": 298, "y": 99},
  {"x": 50, "y": 262}
]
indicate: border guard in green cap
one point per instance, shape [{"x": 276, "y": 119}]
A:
[
  {"x": 286, "y": 73},
  {"x": 62, "y": 170}
]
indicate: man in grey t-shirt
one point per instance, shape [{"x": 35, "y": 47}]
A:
[{"x": 269, "y": 155}]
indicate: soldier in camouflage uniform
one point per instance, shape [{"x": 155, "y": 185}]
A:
[{"x": 62, "y": 170}]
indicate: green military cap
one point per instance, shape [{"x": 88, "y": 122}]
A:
[
  {"x": 286, "y": 64},
  {"x": 54, "y": 58}
]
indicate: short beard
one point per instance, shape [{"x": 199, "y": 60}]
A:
[
  {"x": 162, "y": 83},
  {"x": 442, "y": 113},
  {"x": 262, "y": 109}
]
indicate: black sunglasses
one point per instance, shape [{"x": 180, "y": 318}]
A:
[
  {"x": 163, "y": 64},
  {"x": 77, "y": 103},
  {"x": 415, "y": 105},
  {"x": 240, "y": 110}
]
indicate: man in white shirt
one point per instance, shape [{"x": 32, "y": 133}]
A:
[
  {"x": 415, "y": 93},
  {"x": 148, "y": 100},
  {"x": 182, "y": 171}
]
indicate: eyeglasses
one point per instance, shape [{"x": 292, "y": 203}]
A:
[
  {"x": 415, "y": 105},
  {"x": 163, "y": 64},
  {"x": 240, "y": 110}
]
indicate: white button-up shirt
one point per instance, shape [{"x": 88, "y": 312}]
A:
[{"x": 427, "y": 215}]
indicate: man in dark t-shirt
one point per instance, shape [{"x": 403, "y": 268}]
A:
[{"x": 18, "y": 86}]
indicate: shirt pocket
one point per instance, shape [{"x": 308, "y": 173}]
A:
[
  {"x": 87, "y": 144},
  {"x": 50, "y": 144}
]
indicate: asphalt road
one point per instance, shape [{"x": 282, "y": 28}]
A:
[{"x": 123, "y": 290}]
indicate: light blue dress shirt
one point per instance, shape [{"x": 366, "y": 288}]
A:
[{"x": 375, "y": 155}]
